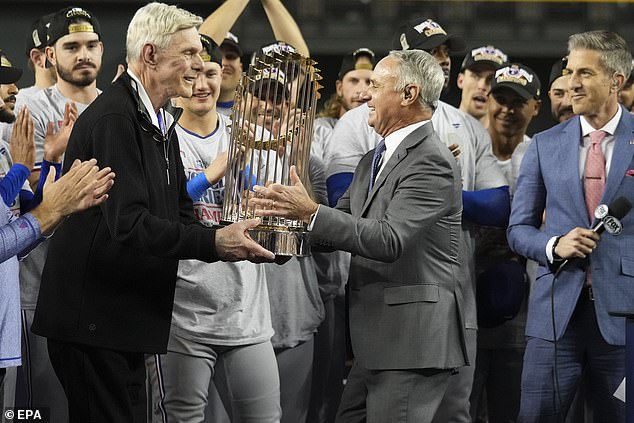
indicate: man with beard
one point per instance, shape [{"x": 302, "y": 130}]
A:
[
  {"x": 513, "y": 102},
  {"x": 485, "y": 189},
  {"x": 74, "y": 49},
  {"x": 474, "y": 79},
  {"x": 558, "y": 93}
]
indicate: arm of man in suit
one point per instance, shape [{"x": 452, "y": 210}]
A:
[
  {"x": 421, "y": 198},
  {"x": 524, "y": 235}
]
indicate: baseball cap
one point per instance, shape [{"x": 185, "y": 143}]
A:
[
  {"x": 36, "y": 37},
  {"x": 349, "y": 62},
  {"x": 211, "y": 52},
  {"x": 231, "y": 42},
  {"x": 518, "y": 78},
  {"x": 558, "y": 69},
  {"x": 485, "y": 56},
  {"x": 65, "y": 22},
  {"x": 425, "y": 34},
  {"x": 500, "y": 292},
  {"x": 8, "y": 73}
]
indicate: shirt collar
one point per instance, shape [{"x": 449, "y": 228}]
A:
[
  {"x": 145, "y": 100},
  {"x": 393, "y": 140},
  {"x": 609, "y": 127}
]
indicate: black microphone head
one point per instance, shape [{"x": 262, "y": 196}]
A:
[{"x": 620, "y": 207}]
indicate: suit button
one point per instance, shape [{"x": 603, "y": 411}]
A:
[{"x": 92, "y": 327}]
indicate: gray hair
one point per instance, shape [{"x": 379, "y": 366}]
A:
[
  {"x": 417, "y": 67},
  {"x": 155, "y": 23},
  {"x": 615, "y": 54}
]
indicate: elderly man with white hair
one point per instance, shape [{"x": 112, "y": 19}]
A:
[{"x": 106, "y": 304}]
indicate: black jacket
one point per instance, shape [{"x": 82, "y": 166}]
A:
[{"x": 111, "y": 270}]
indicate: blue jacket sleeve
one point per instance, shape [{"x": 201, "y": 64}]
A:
[
  {"x": 12, "y": 182},
  {"x": 487, "y": 207},
  {"x": 336, "y": 185},
  {"x": 28, "y": 200}
]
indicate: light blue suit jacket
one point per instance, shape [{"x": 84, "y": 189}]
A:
[{"x": 549, "y": 179}]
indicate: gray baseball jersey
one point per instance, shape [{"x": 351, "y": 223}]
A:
[{"x": 217, "y": 303}]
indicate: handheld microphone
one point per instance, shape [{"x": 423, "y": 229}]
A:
[
  {"x": 609, "y": 220},
  {"x": 610, "y": 217}
]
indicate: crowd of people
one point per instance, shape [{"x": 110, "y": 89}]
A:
[{"x": 455, "y": 275}]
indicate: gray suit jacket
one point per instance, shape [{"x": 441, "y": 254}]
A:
[{"x": 405, "y": 305}]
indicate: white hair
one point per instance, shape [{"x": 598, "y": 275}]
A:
[
  {"x": 417, "y": 67},
  {"x": 155, "y": 23}
]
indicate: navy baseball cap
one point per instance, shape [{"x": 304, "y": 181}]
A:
[
  {"x": 211, "y": 52},
  {"x": 8, "y": 73},
  {"x": 350, "y": 61},
  {"x": 500, "y": 293},
  {"x": 426, "y": 34},
  {"x": 488, "y": 56},
  {"x": 558, "y": 69},
  {"x": 231, "y": 42},
  {"x": 519, "y": 78},
  {"x": 71, "y": 20},
  {"x": 36, "y": 37}
]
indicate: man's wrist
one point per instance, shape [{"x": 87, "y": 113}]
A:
[{"x": 556, "y": 257}]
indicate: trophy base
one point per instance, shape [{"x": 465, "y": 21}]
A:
[{"x": 281, "y": 241}]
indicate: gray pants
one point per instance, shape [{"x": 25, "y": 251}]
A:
[
  {"x": 41, "y": 385},
  {"x": 295, "y": 366},
  {"x": 454, "y": 407},
  {"x": 179, "y": 382}
]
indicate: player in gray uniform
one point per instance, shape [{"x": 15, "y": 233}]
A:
[
  {"x": 485, "y": 189},
  {"x": 474, "y": 79},
  {"x": 75, "y": 50},
  {"x": 221, "y": 315},
  {"x": 502, "y": 275}
]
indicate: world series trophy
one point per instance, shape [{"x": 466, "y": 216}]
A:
[{"x": 272, "y": 128}]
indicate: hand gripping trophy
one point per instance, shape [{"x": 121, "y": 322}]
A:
[{"x": 272, "y": 128}]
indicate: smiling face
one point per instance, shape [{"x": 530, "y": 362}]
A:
[
  {"x": 77, "y": 58},
  {"x": 559, "y": 96},
  {"x": 475, "y": 84},
  {"x": 177, "y": 65},
  {"x": 593, "y": 91},
  {"x": 231, "y": 71},
  {"x": 510, "y": 113},
  {"x": 383, "y": 100},
  {"x": 205, "y": 91}
]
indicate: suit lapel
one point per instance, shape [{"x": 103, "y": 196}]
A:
[
  {"x": 400, "y": 153},
  {"x": 568, "y": 161},
  {"x": 621, "y": 156}
]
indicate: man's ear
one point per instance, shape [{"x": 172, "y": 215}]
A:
[
  {"x": 338, "y": 87},
  {"x": 50, "y": 55},
  {"x": 460, "y": 80},
  {"x": 148, "y": 55}
]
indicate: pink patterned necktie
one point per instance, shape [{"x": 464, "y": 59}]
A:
[{"x": 594, "y": 175}]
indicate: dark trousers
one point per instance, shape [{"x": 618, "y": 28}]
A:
[{"x": 101, "y": 385}]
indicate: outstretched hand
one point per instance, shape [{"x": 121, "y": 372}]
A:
[
  {"x": 56, "y": 139},
  {"x": 22, "y": 144},
  {"x": 233, "y": 243},
  {"x": 291, "y": 202}
]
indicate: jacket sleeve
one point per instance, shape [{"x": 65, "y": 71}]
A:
[
  {"x": 524, "y": 234},
  {"x": 421, "y": 199},
  {"x": 114, "y": 142}
]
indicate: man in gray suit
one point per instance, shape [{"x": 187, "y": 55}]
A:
[{"x": 400, "y": 219}]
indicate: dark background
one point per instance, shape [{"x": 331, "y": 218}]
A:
[{"x": 533, "y": 33}]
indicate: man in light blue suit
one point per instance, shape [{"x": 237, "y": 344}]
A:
[{"x": 567, "y": 171}]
